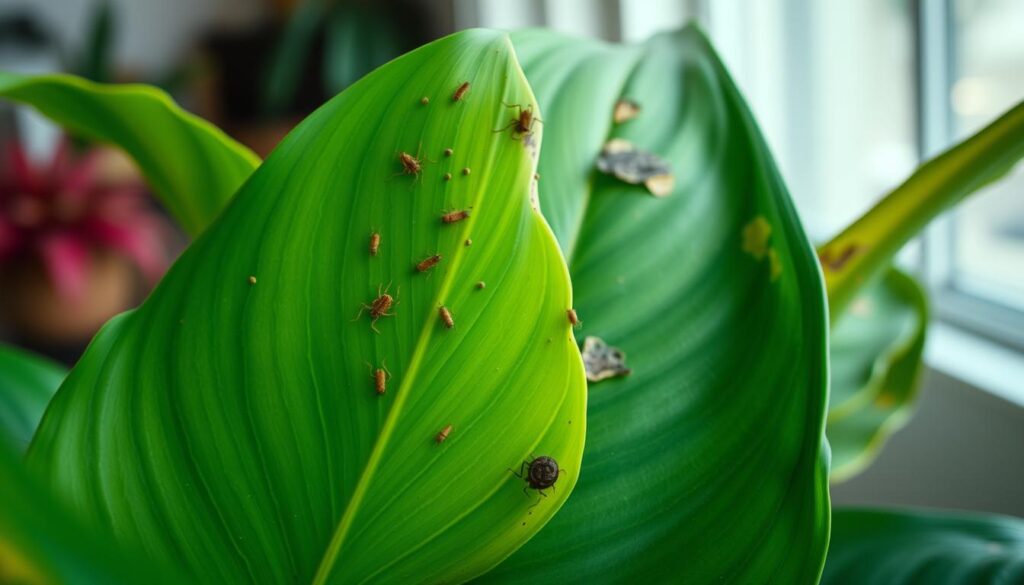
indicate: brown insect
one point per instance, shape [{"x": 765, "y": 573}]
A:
[
  {"x": 441, "y": 436},
  {"x": 378, "y": 308},
  {"x": 411, "y": 165},
  {"x": 380, "y": 379},
  {"x": 446, "y": 317},
  {"x": 428, "y": 263},
  {"x": 455, "y": 216},
  {"x": 374, "y": 243},
  {"x": 540, "y": 474},
  {"x": 460, "y": 92},
  {"x": 522, "y": 124},
  {"x": 574, "y": 319}
]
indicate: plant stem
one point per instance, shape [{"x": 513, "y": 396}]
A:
[{"x": 864, "y": 248}]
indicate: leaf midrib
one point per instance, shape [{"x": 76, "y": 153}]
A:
[{"x": 330, "y": 556}]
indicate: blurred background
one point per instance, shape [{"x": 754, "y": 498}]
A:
[{"x": 850, "y": 95}]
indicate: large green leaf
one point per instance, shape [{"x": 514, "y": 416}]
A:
[
  {"x": 707, "y": 464},
  {"x": 40, "y": 542},
  {"x": 26, "y": 384},
  {"x": 191, "y": 165},
  {"x": 233, "y": 428},
  {"x": 876, "y": 364},
  {"x": 924, "y": 548}
]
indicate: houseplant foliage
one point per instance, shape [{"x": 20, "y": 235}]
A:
[
  {"x": 231, "y": 425},
  {"x": 921, "y": 547},
  {"x": 709, "y": 457},
  {"x": 27, "y": 383},
  {"x": 692, "y": 473}
]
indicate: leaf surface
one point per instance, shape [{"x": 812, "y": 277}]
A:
[
  {"x": 876, "y": 366},
  {"x": 924, "y": 548},
  {"x": 231, "y": 424},
  {"x": 27, "y": 382},
  {"x": 707, "y": 463}
]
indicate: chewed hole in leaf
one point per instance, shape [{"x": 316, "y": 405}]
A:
[
  {"x": 602, "y": 361},
  {"x": 621, "y": 159}
]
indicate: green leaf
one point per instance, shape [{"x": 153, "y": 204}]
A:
[
  {"x": 707, "y": 463},
  {"x": 356, "y": 41},
  {"x": 233, "y": 428},
  {"x": 192, "y": 166},
  {"x": 919, "y": 547},
  {"x": 876, "y": 364},
  {"x": 867, "y": 246},
  {"x": 26, "y": 384},
  {"x": 288, "y": 62},
  {"x": 40, "y": 542}
]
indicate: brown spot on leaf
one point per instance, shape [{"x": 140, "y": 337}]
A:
[
  {"x": 831, "y": 260},
  {"x": 625, "y": 110}
]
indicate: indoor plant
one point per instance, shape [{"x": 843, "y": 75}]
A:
[{"x": 229, "y": 428}]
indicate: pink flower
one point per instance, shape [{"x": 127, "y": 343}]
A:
[{"x": 61, "y": 212}]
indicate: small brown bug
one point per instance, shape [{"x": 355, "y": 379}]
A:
[
  {"x": 460, "y": 92},
  {"x": 446, "y": 317},
  {"x": 252, "y": 280},
  {"x": 574, "y": 319},
  {"x": 374, "y": 243},
  {"x": 522, "y": 124},
  {"x": 410, "y": 164},
  {"x": 455, "y": 216},
  {"x": 380, "y": 379},
  {"x": 428, "y": 263},
  {"x": 443, "y": 434},
  {"x": 540, "y": 474},
  {"x": 378, "y": 308}
]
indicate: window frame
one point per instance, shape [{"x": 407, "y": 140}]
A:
[{"x": 953, "y": 300}]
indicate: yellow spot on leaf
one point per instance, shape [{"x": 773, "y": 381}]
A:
[
  {"x": 775, "y": 264},
  {"x": 885, "y": 401},
  {"x": 15, "y": 568},
  {"x": 755, "y": 237}
]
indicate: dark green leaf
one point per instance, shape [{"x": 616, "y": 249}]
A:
[
  {"x": 232, "y": 425},
  {"x": 707, "y": 463},
  {"x": 924, "y": 548},
  {"x": 41, "y": 543},
  {"x": 26, "y": 384},
  {"x": 288, "y": 62}
]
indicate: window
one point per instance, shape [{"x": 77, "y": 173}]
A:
[
  {"x": 850, "y": 96},
  {"x": 975, "y": 257}
]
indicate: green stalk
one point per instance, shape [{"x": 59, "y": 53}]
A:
[{"x": 864, "y": 248}]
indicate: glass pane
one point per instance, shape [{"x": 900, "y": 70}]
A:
[
  {"x": 989, "y": 79},
  {"x": 832, "y": 86}
]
